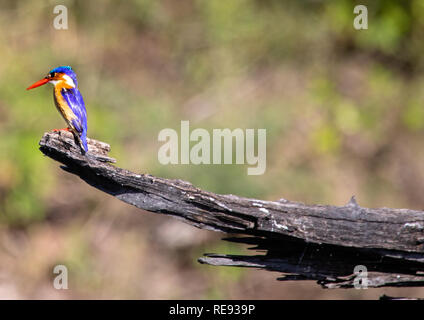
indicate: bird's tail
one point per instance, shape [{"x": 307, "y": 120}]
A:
[{"x": 83, "y": 141}]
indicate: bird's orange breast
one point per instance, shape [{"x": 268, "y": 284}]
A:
[{"x": 62, "y": 105}]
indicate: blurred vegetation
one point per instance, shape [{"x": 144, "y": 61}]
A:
[{"x": 343, "y": 108}]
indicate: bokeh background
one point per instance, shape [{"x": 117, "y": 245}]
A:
[{"x": 343, "y": 109}]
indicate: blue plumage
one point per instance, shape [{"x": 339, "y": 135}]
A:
[{"x": 75, "y": 101}]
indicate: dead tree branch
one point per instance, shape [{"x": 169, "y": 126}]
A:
[{"x": 305, "y": 242}]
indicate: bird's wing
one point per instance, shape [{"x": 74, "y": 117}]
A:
[{"x": 75, "y": 101}]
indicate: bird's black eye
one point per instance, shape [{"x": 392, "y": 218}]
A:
[{"x": 51, "y": 75}]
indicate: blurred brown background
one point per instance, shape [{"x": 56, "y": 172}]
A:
[{"x": 343, "y": 111}]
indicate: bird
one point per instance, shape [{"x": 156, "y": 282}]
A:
[{"x": 68, "y": 101}]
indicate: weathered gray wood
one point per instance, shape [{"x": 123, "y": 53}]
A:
[{"x": 395, "y": 235}]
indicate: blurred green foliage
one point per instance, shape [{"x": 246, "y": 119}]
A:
[{"x": 146, "y": 65}]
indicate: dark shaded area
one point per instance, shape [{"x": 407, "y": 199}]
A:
[{"x": 332, "y": 266}]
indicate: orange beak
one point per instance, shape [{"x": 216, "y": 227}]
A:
[{"x": 38, "y": 83}]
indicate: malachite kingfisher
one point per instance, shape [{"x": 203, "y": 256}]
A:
[{"x": 68, "y": 101}]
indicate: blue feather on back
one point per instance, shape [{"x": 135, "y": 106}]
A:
[{"x": 75, "y": 101}]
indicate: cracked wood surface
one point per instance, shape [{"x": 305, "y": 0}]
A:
[{"x": 292, "y": 233}]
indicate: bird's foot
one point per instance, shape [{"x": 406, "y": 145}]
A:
[{"x": 65, "y": 129}]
